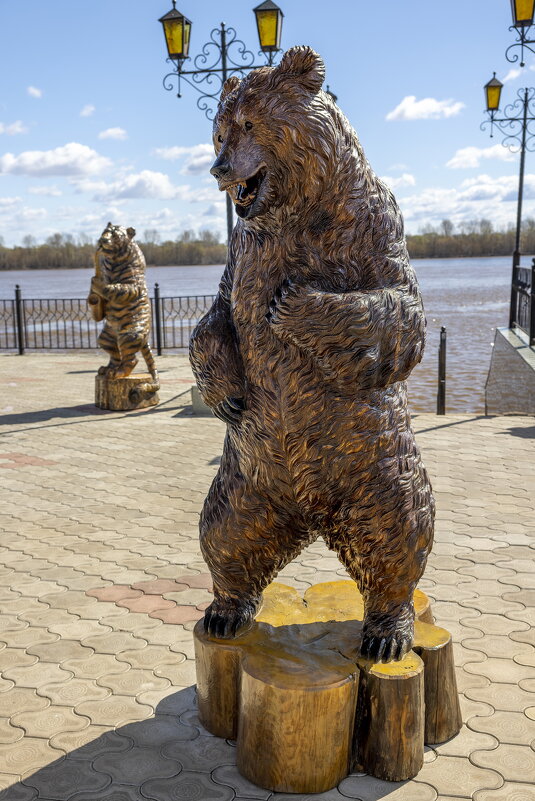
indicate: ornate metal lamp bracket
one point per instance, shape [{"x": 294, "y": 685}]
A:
[
  {"x": 224, "y": 55},
  {"x": 522, "y": 42},
  {"x": 511, "y": 124}
]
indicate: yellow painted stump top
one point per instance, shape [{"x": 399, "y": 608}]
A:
[{"x": 315, "y": 640}]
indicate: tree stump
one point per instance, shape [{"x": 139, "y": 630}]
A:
[
  {"x": 305, "y": 709},
  {"x": 123, "y": 394}
]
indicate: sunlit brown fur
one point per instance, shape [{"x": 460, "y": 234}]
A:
[{"x": 317, "y": 324}]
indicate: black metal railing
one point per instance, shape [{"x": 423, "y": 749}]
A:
[
  {"x": 66, "y": 323},
  {"x": 523, "y": 300}
]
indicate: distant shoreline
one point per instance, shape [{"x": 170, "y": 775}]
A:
[
  {"x": 90, "y": 267},
  {"x": 221, "y": 264}
]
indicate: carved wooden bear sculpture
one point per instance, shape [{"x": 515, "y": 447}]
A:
[
  {"x": 305, "y": 352},
  {"x": 119, "y": 293}
]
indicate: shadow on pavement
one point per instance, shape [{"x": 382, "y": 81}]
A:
[
  {"x": 43, "y": 415},
  {"x": 526, "y": 432},
  {"x": 446, "y": 425},
  {"x": 75, "y": 414},
  {"x": 168, "y": 756}
]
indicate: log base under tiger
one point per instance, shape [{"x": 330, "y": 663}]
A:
[
  {"x": 124, "y": 394},
  {"x": 306, "y": 710}
]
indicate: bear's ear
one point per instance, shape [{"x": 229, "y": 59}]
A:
[
  {"x": 303, "y": 65},
  {"x": 229, "y": 86},
  {"x": 131, "y": 232}
]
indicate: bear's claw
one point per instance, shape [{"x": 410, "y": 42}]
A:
[
  {"x": 385, "y": 649},
  {"x": 225, "y": 618}
]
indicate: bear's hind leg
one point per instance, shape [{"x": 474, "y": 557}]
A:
[
  {"x": 247, "y": 536},
  {"x": 387, "y": 564}
]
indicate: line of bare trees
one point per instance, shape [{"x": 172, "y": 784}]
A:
[
  {"x": 66, "y": 251},
  {"x": 474, "y": 238}
]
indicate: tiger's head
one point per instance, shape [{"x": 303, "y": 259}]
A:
[{"x": 115, "y": 240}]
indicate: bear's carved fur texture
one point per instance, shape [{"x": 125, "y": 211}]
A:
[{"x": 317, "y": 324}]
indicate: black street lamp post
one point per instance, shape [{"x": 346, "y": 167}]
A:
[
  {"x": 514, "y": 125},
  {"x": 224, "y": 55}
]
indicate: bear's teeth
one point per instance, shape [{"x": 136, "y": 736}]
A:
[{"x": 244, "y": 197}]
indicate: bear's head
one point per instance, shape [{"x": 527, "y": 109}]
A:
[
  {"x": 115, "y": 240},
  {"x": 275, "y": 135}
]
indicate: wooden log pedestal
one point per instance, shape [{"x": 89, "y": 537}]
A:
[
  {"x": 137, "y": 391},
  {"x": 306, "y": 710}
]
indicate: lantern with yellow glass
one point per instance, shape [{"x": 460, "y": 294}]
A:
[
  {"x": 522, "y": 11},
  {"x": 177, "y": 30},
  {"x": 493, "y": 90},
  {"x": 269, "y": 23}
]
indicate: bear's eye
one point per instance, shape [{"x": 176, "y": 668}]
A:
[
  {"x": 220, "y": 138},
  {"x": 248, "y": 125}
]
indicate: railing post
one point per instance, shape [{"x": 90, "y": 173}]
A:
[
  {"x": 532, "y": 305},
  {"x": 157, "y": 319},
  {"x": 19, "y": 320},
  {"x": 441, "y": 394}
]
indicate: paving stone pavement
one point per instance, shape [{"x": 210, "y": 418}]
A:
[{"x": 101, "y": 582}]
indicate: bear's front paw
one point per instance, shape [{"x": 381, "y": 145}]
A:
[
  {"x": 227, "y": 616},
  {"x": 280, "y": 303},
  {"x": 230, "y": 410},
  {"x": 385, "y": 637}
]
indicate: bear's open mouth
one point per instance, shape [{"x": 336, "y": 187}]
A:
[{"x": 245, "y": 194}]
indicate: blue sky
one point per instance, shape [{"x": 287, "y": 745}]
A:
[{"x": 88, "y": 134}]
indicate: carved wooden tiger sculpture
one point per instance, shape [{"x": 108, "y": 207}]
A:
[{"x": 119, "y": 293}]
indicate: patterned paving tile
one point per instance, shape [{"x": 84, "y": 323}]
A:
[
  {"x": 23, "y": 758},
  {"x": 367, "y": 788},
  {"x": 11, "y": 790},
  {"x": 136, "y": 764},
  {"x": 506, "y": 726},
  {"x": 59, "y": 782},
  {"x": 94, "y": 666},
  {"x": 508, "y": 760},
  {"x": 506, "y": 697},
  {"x": 113, "y": 711},
  {"x": 8, "y": 732},
  {"x": 187, "y": 786},
  {"x": 508, "y": 792},
  {"x": 455, "y": 775},
  {"x": 159, "y": 586}
]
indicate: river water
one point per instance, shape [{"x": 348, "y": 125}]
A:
[{"x": 470, "y": 297}]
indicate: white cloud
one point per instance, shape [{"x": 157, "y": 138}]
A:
[
  {"x": 70, "y": 159},
  {"x": 30, "y": 214},
  {"x": 33, "y": 91},
  {"x": 47, "y": 191},
  {"x": 87, "y": 110},
  {"x": 145, "y": 184},
  {"x": 13, "y": 128},
  {"x": 472, "y": 156},
  {"x": 403, "y": 180},
  {"x": 14, "y": 214},
  {"x": 197, "y": 158},
  {"x": 511, "y": 75},
  {"x": 475, "y": 198},
  {"x": 113, "y": 133},
  {"x": 9, "y": 202},
  {"x": 426, "y": 109}
]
